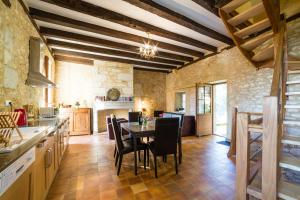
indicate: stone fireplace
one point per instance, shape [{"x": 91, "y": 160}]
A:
[{"x": 102, "y": 109}]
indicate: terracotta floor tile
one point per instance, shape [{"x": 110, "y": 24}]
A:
[{"x": 88, "y": 172}]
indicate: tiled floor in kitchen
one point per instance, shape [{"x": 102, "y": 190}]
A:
[{"x": 88, "y": 172}]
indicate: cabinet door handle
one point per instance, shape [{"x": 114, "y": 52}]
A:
[
  {"x": 41, "y": 143},
  {"x": 48, "y": 157}
]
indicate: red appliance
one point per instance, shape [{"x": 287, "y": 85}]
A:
[{"x": 23, "y": 117}]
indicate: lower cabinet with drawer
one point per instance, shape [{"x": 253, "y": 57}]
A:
[{"x": 31, "y": 175}]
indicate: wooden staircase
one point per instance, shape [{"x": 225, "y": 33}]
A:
[
  {"x": 264, "y": 44},
  {"x": 254, "y": 41}
]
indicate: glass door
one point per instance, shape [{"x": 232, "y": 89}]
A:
[{"x": 204, "y": 109}]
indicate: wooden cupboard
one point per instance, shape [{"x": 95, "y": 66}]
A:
[
  {"x": 23, "y": 188},
  {"x": 36, "y": 181},
  {"x": 80, "y": 120}
]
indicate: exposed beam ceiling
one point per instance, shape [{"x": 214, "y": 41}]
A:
[
  {"x": 105, "y": 14},
  {"x": 166, "y": 13},
  {"x": 64, "y": 21},
  {"x": 112, "y": 59},
  {"x": 97, "y": 41},
  {"x": 150, "y": 70},
  {"x": 208, "y": 5},
  {"x": 76, "y": 60},
  {"x": 111, "y": 52}
]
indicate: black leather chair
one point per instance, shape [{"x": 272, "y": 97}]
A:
[
  {"x": 125, "y": 146},
  {"x": 134, "y": 116},
  {"x": 165, "y": 140}
]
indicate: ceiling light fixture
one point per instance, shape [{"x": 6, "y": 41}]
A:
[{"x": 148, "y": 50}]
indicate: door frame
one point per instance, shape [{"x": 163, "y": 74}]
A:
[
  {"x": 213, "y": 111},
  {"x": 197, "y": 105}
]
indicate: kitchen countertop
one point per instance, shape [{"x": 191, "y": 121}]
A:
[{"x": 52, "y": 123}]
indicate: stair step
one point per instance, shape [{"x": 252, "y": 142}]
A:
[
  {"x": 291, "y": 122},
  {"x": 290, "y": 163},
  {"x": 254, "y": 28},
  {"x": 252, "y": 12},
  {"x": 233, "y": 5},
  {"x": 255, "y": 42},
  {"x": 264, "y": 54},
  {"x": 257, "y": 128},
  {"x": 294, "y": 72},
  {"x": 288, "y": 191},
  {"x": 293, "y": 140},
  {"x": 291, "y": 106},
  {"x": 292, "y": 93},
  {"x": 293, "y": 82},
  {"x": 294, "y": 64}
]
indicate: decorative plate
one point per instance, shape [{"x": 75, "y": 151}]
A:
[{"x": 113, "y": 94}]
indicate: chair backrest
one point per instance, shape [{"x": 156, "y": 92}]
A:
[
  {"x": 157, "y": 113},
  {"x": 166, "y": 136},
  {"x": 117, "y": 134},
  {"x": 134, "y": 116},
  {"x": 174, "y": 115}
]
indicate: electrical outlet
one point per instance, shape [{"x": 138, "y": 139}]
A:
[{"x": 8, "y": 103}]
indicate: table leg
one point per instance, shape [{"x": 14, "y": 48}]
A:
[{"x": 135, "y": 154}]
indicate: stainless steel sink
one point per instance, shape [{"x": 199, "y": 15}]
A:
[{"x": 27, "y": 133}]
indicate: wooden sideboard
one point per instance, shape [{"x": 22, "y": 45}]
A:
[{"x": 80, "y": 120}]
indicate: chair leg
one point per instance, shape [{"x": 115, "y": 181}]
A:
[
  {"x": 145, "y": 155},
  {"x": 155, "y": 166},
  {"x": 139, "y": 156},
  {"x": 116, "y": 158},
  {"x": 115, "y": 151},
  {"x": 120, "y": 163},
  {"x": 175, "y": 159},
  {"x": 148, "y": 158}
]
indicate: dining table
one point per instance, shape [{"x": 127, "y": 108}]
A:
[{"x": 138, "y": 131}]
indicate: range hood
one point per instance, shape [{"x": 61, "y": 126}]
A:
[{"x": 35, "y": 78}]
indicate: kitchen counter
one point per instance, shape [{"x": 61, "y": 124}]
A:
[{"x": 49, "y": 125}]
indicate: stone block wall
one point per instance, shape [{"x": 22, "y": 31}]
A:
[
  {"x": 245, "y": 84},
  {"x": 149, "y": 91},
  {"x": 15, "y": 32},
  {"x": 77, "y": 82}
]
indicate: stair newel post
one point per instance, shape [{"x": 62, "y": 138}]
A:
[
  {"x": 270, "y": 152},
  {"x": 242, "y": 156}
]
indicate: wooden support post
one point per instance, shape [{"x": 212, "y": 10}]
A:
[
  {"x": 232, "y": 149},
  {"x": 270, "y": 148},
  {"x": 242, "y": 157}
]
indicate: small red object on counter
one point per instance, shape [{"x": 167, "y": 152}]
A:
[{"x": 23, "y": 117}]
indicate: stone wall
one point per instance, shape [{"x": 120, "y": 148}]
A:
[
  {"x": 15, "y": 32},
  {"x": 82, "y": 83},
  {"x": 149, "y": 91},
  {"x": 246, "y": 85}
]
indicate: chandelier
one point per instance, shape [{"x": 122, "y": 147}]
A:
[{"x": 148, "y": 50}]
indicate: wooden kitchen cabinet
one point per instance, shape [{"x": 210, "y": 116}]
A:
[
  {"x": 23, "y": 188},
  {"x": 50, "y": 161},
  {"x": 40, "y": 184},
  {"x": 80, "y": 120}
]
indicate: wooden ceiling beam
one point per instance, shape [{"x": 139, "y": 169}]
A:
[
  {"x": 106, "y": 43},
  {"x": 208, "y": 5},
  {"x": 71, "y": 23},
  {"x": 111, "y": 52},
  {"x": 72, "y": 59},
  {"x": 111, "y": 59},
  {"x": 182, "y": 20},
  {"x": 151, "y": 70},
  {"x": 105, "y": 14}
]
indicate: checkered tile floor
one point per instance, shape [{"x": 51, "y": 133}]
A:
[{"x": 88, "y": 172}]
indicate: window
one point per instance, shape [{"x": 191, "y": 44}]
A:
[
  {"x": 180, "y": 101},
  {"x": 204, "y": 99}
]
